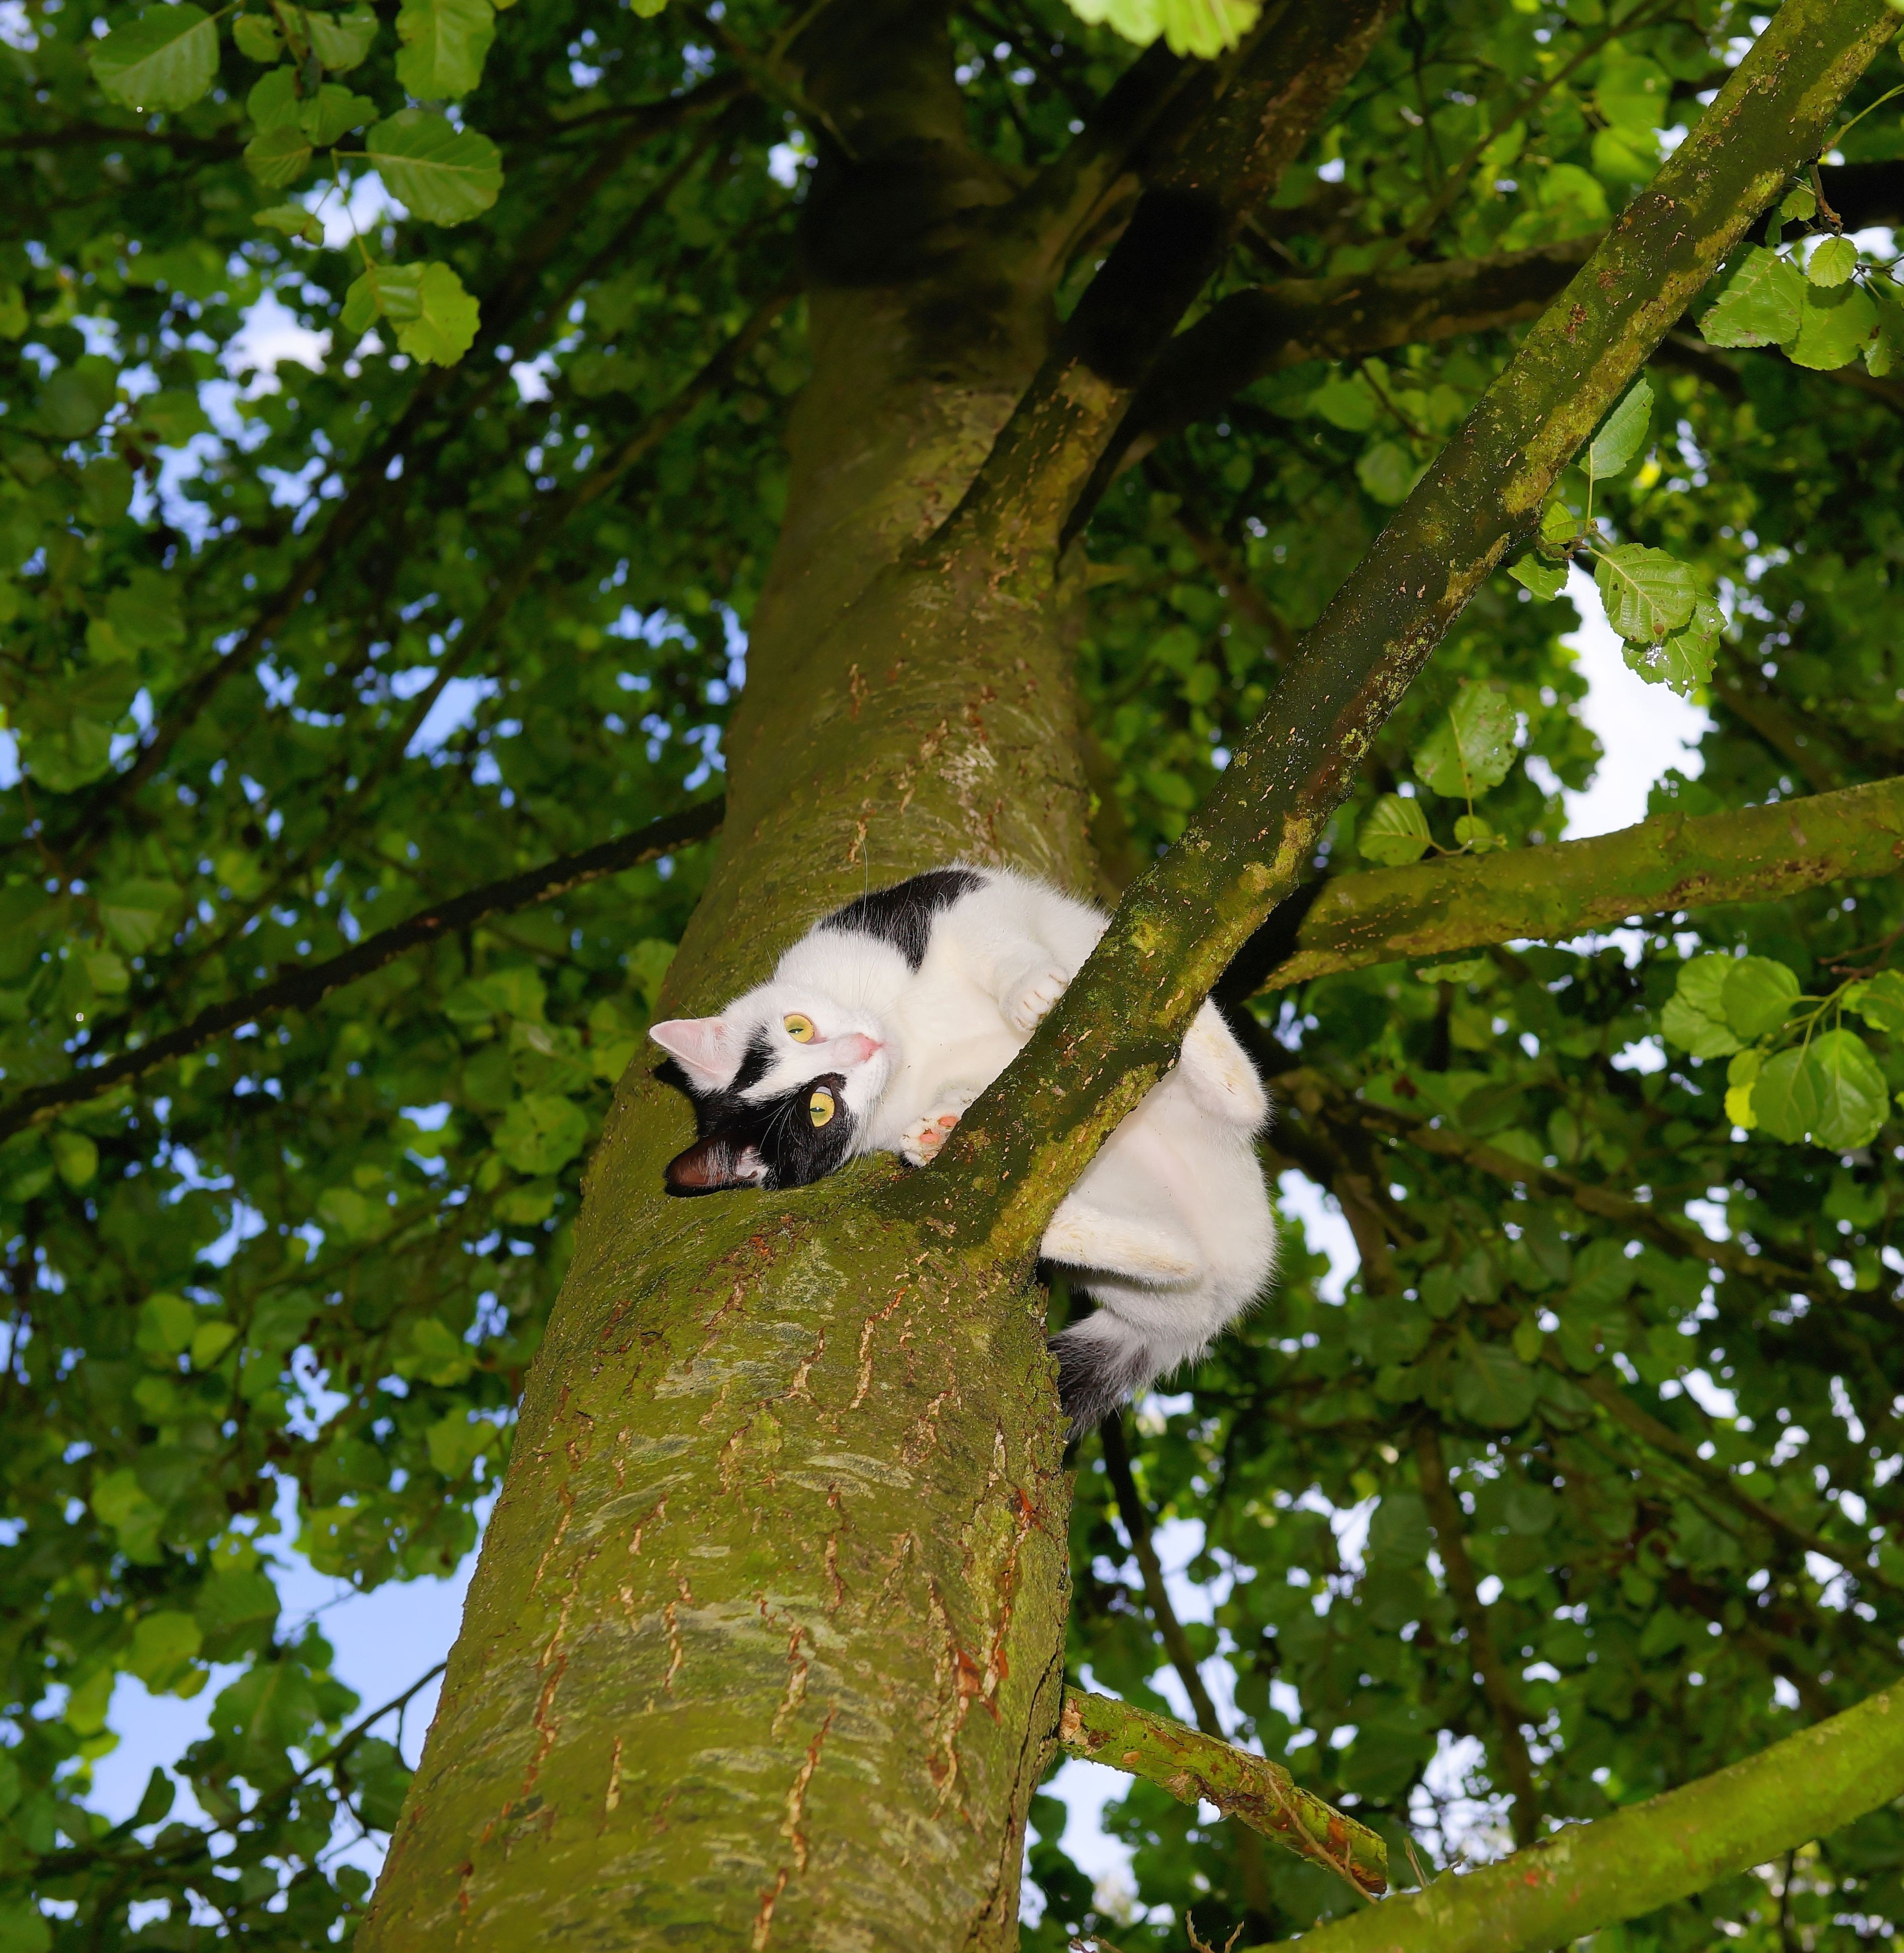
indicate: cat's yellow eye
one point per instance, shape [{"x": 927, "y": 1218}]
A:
[
  {"x": 820, "y": 1106},
  {"x": 800, "y": 1029}
]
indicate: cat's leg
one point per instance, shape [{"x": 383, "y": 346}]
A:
[
  {"x": 1218, "y": 1073},
  {"x": 919, "y": 1143},
  {"x": 1141, "y": 1244}
]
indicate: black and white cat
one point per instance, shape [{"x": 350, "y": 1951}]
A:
[{"x": 887, "y": 1019}]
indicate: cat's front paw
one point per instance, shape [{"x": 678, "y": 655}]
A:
[
  {"x": 919, "y": 1144},
  {"x": 1030, "y": 1002}
]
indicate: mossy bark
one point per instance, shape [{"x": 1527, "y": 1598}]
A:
[{"x": 765, "y": 1646}]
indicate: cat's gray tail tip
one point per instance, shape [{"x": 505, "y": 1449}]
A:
[{"x": 1097, "y": 1373}]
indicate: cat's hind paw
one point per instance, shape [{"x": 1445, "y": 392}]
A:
[{"x": 1028, "y": 1002}]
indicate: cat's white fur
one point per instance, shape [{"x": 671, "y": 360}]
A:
[{"x": 1169, "y": 1227}]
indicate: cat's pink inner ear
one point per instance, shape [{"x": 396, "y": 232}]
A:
[{"x": 705, "y": 1044}]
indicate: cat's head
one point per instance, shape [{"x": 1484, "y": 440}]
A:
[{"x": 785, "y": 1082}]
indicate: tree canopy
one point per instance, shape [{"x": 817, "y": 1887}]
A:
[{"x": 395, "y": 405}]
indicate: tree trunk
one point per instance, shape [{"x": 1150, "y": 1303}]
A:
[{"x": 767, "y": 1636}]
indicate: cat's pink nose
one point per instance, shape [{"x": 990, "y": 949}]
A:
[{"x": 855, "y": 1047}]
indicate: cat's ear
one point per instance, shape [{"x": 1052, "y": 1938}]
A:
[
  {"x": 707, "y": 1046},
  {"x": 714, "y": 1164}
]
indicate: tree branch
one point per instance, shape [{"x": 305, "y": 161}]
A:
[
  {"x": 1251, "y": 333},
  {"x": 1590, "y": 1875},
  {"x": 1760, "y": 853},
  {"x": 1445, "y": 1515},
  {"x": 1195, "y": 1768},
  {"x": 1310, "y": 1089},
  {"x": 1119, "y": 1026},
  {"x": 300, "y": 989},
  {"x": 1023, "y": 494},
  {"x": 1137, "y": 1529},
  {"x": 1176, "y": 1642},
  {"x": 1663, "y": 1438}
]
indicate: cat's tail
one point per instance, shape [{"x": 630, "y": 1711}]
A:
[{"x": 1102, "y": 1361}]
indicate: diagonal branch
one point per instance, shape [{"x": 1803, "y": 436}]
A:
[
  {"x": 299, "y": 989},
  {"x": 1195, "y": 1768},
  {"x": 1444, "y": 1515},
  {"x": 1590, "y": 1875}
]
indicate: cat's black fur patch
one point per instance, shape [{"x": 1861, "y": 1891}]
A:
[
  {"x": 778, "y": 1133},
  {"x": 902, "y": 914}
]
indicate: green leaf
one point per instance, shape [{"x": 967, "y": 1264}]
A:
[
  {"x": 1203, "y": 27},
  {"x": 1695, "y": 1018},
  {"x": 1622, "y": 434},
  {"x": 1684, "y": 661},
  {"x": 131, "y": 913},
  {"x": 210, "y": 1341},
  {"x": 1760, "y": 303},
  {"x": 1879, "y": 1000},
  {"x": 1472, "y": 750},
  {"x": 165, "y": 59},
  {"x": 24, "y": 1928},
  {"x": 1758, "y": 995},
  {"x": 256, "y": 37},
  {"x": 278, "y": 156},
  {"x": 435, "y": 319},
  {"x": 1741, "y": 1075},
  {"x": 1834, "y": 327},
  {"x": 1347, "y": 401},
  {"x": 75, "y": 1156},
  {"x": 445, "y": 42},
  {"x": 341, "y": 41},
  {"x": 1388, "y": 471},
  {"x": 1472, "y": 832},
  {"x": 334, "y": 111},
  {"x": 165, "y": 1324},
  {"x": 1853, "y": 1099},
  {"x": 145, "y": 611},
  {"x": 1394, "y": 832},
  {"x": 1785, "y": 1098},
  {"x": 437, "y": 1354},
  {"x": 455, "y": 1442},
  {"x": 541, "y": 1133},
  {"x": 293, "y": 220},
  {"x": 1648, "y": 595},
  {"x": 1558, "y": 523},
  {"x": 274, "y": 99},
  {"x": 1492, "y": 1387},
  {"x": 73, "y": 402},
  {"x": 443, "y": 174},
  {"x": 266, "y": 1710},
  {"x": 1885, "y": 354},
  {"x": 1544, "y": 580},
  {"x": 1465, "y": 971},
  {"x": 163, "y": 1645},
  {"x": 1800, "y": 206},
  {"x": 1832, "y": 262}
]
